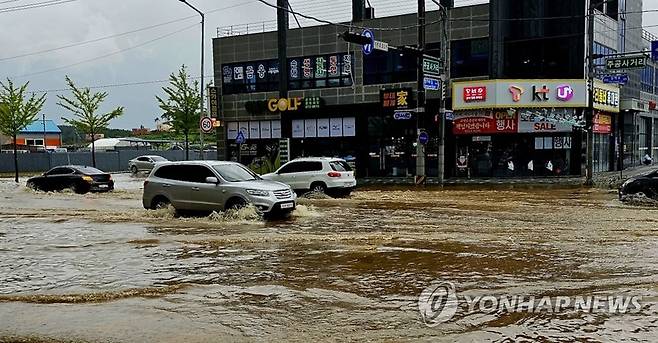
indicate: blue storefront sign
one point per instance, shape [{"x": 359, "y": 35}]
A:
[{"x": 430, "y": 83}]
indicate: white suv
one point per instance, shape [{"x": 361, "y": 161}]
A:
[{"x": 318, "y": 174}]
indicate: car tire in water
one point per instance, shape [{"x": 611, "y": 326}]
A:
[
  {"x": 32, "y": 185},
  {"x": 319, "y": 187},
  {"x": 79, "y": 188},
  {"x": 159, "y": 203},
  {"x": 133, "y": 170},
  {"x": 236, "y": 204}
]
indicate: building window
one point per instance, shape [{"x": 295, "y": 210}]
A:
[
  {"x": 648, "y": 74},
  {"x": 599, "y": 63},
  {"x": 34, "y": 142},
  {"x": 389, "y": 67},
  {"x": 470, "y": 57}
]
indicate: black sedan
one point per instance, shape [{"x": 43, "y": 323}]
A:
[
  {"x": 80, "y": 179},
  {"x": 645, "y": 184}
]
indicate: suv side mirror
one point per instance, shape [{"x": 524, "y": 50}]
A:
[{"x": 211, "y": 179}]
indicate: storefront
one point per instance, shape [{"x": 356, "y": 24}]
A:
[
  {"x": 518, "y": 128},
  {"x": 606, "y": 113}
]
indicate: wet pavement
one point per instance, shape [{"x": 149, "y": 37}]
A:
[{"x": 99, "y": 268}]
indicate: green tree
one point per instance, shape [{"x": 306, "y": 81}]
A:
[
  {"x": 181, "y": 108},
  {"x": 17, "y": 111},
  {"x": 84, "y": 104}
]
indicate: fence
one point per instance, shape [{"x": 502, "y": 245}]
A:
[{"x": 107, "y": 161}]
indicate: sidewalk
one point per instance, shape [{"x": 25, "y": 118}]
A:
[{"x": 568, "y": 181}]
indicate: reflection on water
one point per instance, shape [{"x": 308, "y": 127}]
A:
[{"x": 336, "y": 268}]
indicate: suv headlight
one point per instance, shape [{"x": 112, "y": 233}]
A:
[{"x": 258, "y": 192}]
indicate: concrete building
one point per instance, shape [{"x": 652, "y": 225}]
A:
[{"x": 343, "y": 102}]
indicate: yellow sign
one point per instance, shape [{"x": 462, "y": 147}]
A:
[{"x": 283, "y": 104}]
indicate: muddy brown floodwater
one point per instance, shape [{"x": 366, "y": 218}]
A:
[{"x": 99, "y": 268}]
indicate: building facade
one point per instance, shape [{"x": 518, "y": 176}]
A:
[
  {"x": 39, "y": 134},
  {"x": 515, "y": 84}
]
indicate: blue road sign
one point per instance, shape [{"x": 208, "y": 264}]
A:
[
  {"x": 621, "y": 79},
  {"x": 367, "y": 48},
  {"x": 402, "y": 115},
  {"x": 431, "y": 84},
  {"x": 240, "y": 138},
  {"x": 423, "y": 138},
  {"x": 654, "y": 50}
]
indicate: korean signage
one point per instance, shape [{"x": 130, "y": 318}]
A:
[
  {"x": 606, "y": 97},
  {"x": 497, "y": 121},
  {"x": 602, "y": 123},
  {"x": 306, "y": 72},
  {"x": 396, "y": 99},
  {"x": 520, "y": 94},
  {"x": 213, "y": 103},
  {"x": 431, "y": 65},
  {"x": 476, "y": 93},
  {"x": 514, "y": 121},
  {"x": 626, "y": 62},
  {"x": 284, "y": 104}
]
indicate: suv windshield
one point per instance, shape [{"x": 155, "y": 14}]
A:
[{"x": 235, "y": 173}]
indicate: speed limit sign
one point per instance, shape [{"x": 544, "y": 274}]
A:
[{"x": 206, "y": 124}]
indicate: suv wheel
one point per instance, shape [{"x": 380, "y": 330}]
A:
[
  {"x": 160, "y": 203},
  {"x": 318, "y": 187},
  {"x": 236, "y": 204}
]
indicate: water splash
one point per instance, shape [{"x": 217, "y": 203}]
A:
[{"x": 149, "y": 292}]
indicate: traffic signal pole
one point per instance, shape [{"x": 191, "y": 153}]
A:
[
  {"x": 589, "y": 119},
  {"x": 420, "y": 107}
]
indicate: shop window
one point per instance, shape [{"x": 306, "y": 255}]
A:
[
  {"x": 34, "y": 142},
  {"x": 389, "y": 67},
  {"x": 469, "y": 57}
]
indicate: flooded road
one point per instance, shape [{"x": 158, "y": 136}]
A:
[{"x": 100, "y": 268}]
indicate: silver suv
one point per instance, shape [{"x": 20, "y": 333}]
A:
[{"x": 214, "y": 186}]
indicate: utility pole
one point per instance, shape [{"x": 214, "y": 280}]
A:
[
  {"x": 282, "y": 39},
  {"x": 420, "y": 106},
  {"x": 445, "y": 79},
  {"x": 590, "y": 102}
]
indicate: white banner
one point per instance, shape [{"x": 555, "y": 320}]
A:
[
  {"x": 276, "y": 129},
  {"x": 349, "y": 127},
  {"x": 244, "y": 127},
  {"x": 336, "y": 127},
  {"x": 323, "y": 127},
  {"x": 265, "y": 129},
  {"x": 254, "y": 130},
  {"x": 232, "y": 130},
  {"x": 298, "y": 128},
  {"x": 310, "y": 128}
]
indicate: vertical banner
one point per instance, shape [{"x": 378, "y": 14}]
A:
[
  {"x": 244, "y": 127},
  {"x": 254, "y": 130},
  {"x": 276, "y": 129},
  {"x": 298, "y": 128},
  {"x": 265, "y": 129},
  {"x": 323, "y": 127},
  {"x": 349, "y": 127},
  {"x": 336, "y": 127},
  {"x": 310, "y": 128},
  {"x": 232, "y": 130}
]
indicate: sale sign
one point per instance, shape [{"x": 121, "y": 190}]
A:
[{"x": 476, "y": 93}]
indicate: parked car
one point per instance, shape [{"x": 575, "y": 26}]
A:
[
  {"x": 204, "y": 186},
  {"x": 144, "y": 163},
  {"x": 645, "y": 184},
  {"x": 80, "y": 179},
  {"x": 328, "y": 175}
]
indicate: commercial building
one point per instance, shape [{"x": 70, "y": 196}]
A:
[{"x": 516, "y": 83}]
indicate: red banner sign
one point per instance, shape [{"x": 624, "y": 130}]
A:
[
  {"x": 476, "y": 93},
  {"x": 493, "y": 122},
  {"x": 602, "y": 124}
]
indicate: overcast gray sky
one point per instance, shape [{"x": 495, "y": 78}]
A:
[{"x": 147, "y": 56}]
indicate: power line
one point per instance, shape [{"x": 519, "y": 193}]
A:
[
  {"x": 116, "y": 35},
  {"x": 107, "y": 55},
  {"x": 115, "y": 85},
  {"x": 34, "y": 5}
]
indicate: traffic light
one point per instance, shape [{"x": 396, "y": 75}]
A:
[{"x": 355, "y": 38}]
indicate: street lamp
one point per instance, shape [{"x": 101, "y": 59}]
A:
[{"x": 203, "y": 24}]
